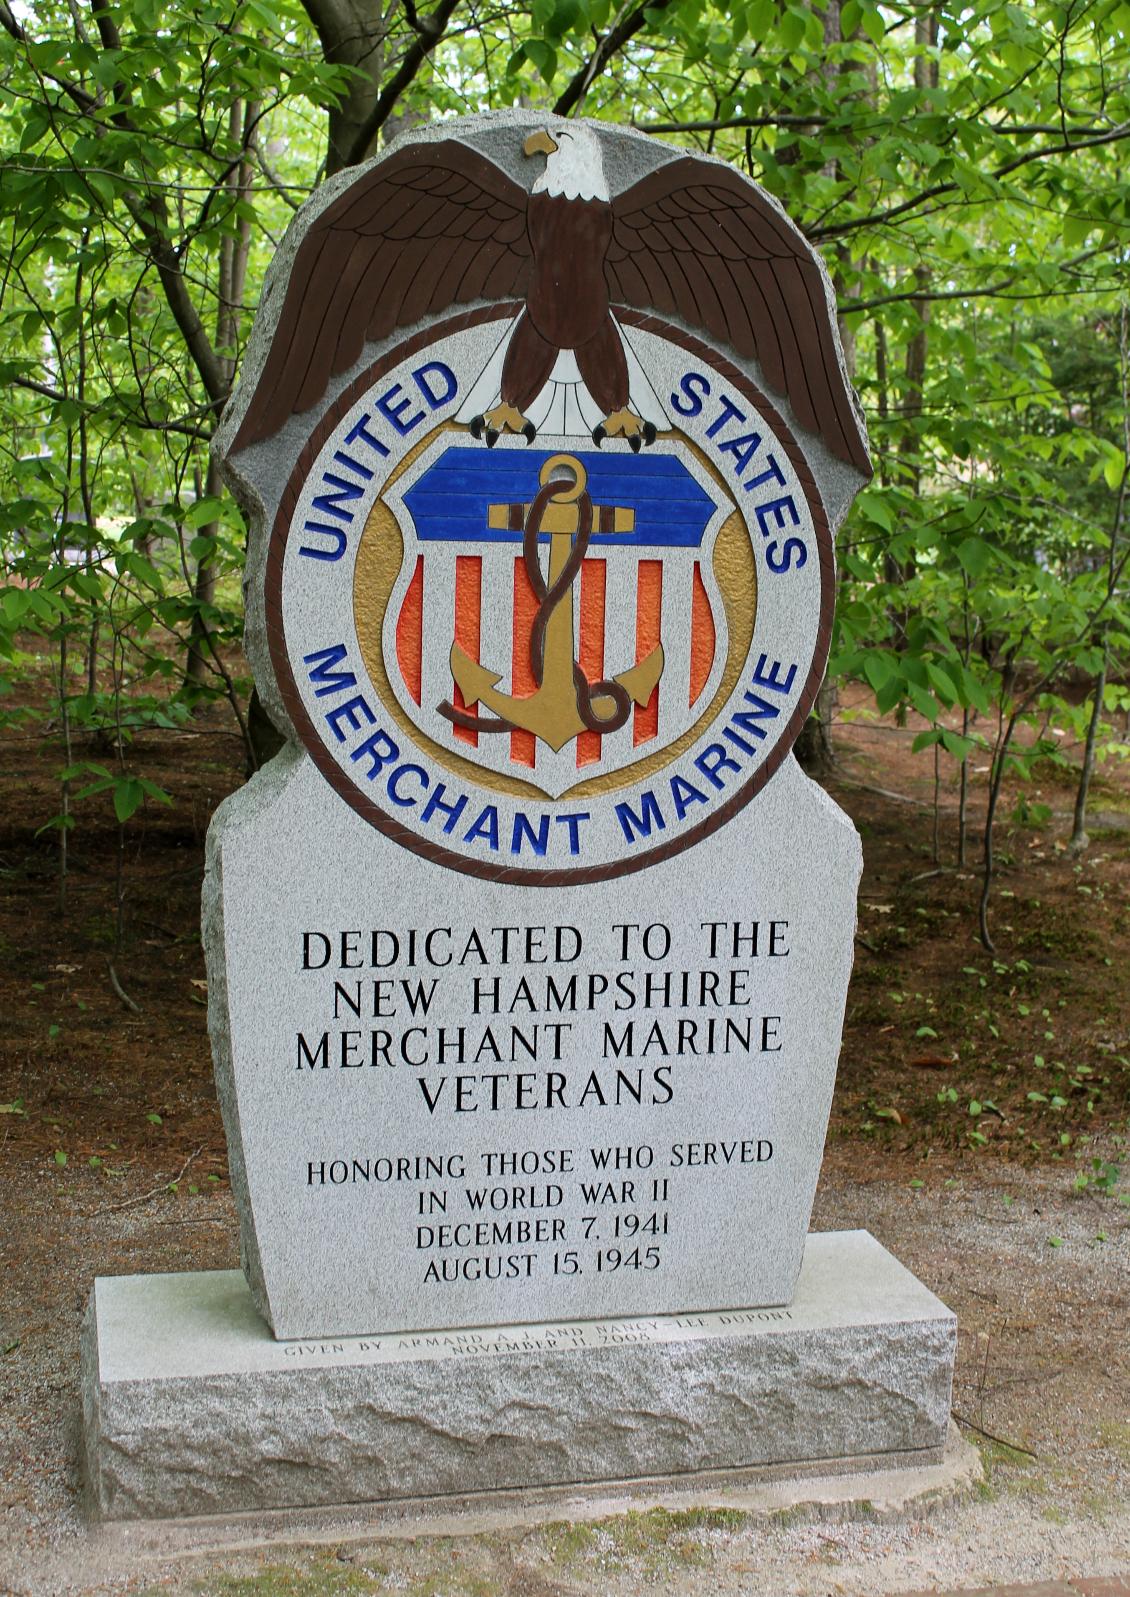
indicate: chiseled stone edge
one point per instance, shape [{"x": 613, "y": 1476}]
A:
[
  {"x": 247, "y": 806},
  {"x": 894, "y": 1488},
  {"x": 317, "y": 1436},
  {"x": 89, "y": 1365}
]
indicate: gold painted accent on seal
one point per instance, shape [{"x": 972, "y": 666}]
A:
[{"x": 380, "y": 555}]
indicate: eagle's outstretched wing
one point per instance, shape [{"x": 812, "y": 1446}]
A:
[
  {"x": 435, "y": 225},
  {"x": 698, "y": 242}
]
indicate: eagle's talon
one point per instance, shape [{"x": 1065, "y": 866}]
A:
[
  {"x": 503, "y": 418},
  {"x": 624, "y": 423},
  {"x": 598, "y": 436}
]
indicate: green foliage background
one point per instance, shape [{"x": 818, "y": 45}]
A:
[{"x": 961, "y": 168}]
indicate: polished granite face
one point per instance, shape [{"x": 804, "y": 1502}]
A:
[
  {"x": 528, "y": 956},
  {"x": 522, "y": 1123}
]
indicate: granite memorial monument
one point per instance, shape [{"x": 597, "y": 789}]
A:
[{"x": 528, "y": 955}]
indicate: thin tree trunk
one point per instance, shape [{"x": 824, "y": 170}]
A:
[
  {"x": 813, "y": 747},
  {"x": 996, "y": 780},
  {"x": 925, "y": 80},
  {"x": 882, "y": 390},
  {"x": 84, "y": 484},
  {"x": 64, "y": 699},
  {"x": 963, "y": 800},
  {"x": 65, "y": 812},
  {"x": 352, "y": 34},
  {"x": 1079, "y": 839},
  {"x": 900, "y": 572},
  {"x": 988, "y": 858},
  {"x": 198, "y": 661},
  {"x": 967, "y": 655},
  {"x": 232, "y": 275}
]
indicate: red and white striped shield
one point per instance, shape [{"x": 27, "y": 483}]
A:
[{"x": 640, "y": 603}]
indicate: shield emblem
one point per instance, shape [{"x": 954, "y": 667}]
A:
[{"x": 577, "y": 647}]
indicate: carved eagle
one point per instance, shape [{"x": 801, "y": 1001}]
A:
[{"x": 438, "y": 225}]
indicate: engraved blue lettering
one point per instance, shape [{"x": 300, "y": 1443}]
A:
[
  {"x": 352, "y": 465},
  {"x": 743, "y": 450},
  {"x": 573, "y": 822},
  {"x": 405, "y": 800},
  {"x": 772, "y": 473},
  {"x": 335, "y": 533},
  {"x": 692, "y": 405},
  {"x": 712, "y": 760},
  {"x": 524, "y": 833},
  {"x": 685, "y": 794},
  {"x": 766, "y": 675},
  {"x": 349, "y": 712},
  {"x": 322, "y": 663},
  {"x": 393, "y": 410},
  {"x": 780, "y": 557},
  {"x": 435, "y": 368},
  {"x": 437, "y": 802},
  {"x": 776, "y": 508},
  {"x": 485, "y": 826},
  {"x": 361, "y": 430},
  {"x": 329, "y": 504},
  {"x": 728, "y": 413},
  {"x": 640, "y": 825},
  {"x": 381, "y": 751}
]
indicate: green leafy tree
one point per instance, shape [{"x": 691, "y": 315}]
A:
[{"x": 959, "y": 167}]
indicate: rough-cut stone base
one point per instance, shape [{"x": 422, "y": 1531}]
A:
[{"x": 191, "y": 1407}]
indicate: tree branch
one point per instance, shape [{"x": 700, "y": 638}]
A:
[
  {"x": 85, "y": 102},
  {"x": 278, "y": 184},
  {"x": 329, "y": 19},
  {"x": 815, "y": 120},
  {"x": 850, "y": 307},
  {"x": 615, "y": 39},
  {"x": 429, "y": 31},
  {"x": 837, "y": 229},
  {"x": 91, "y": 406},
  {"x": 149, "y": 214}
]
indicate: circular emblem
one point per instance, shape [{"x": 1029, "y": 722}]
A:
[{"x": 555, "y": 643}]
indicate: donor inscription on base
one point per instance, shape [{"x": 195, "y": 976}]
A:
[{"x": 528, "y": 955}]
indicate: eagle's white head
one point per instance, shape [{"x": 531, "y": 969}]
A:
[{"x": 573, "y": 169}]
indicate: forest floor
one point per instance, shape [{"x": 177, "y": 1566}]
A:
[{"x": 979, "y": 1129}]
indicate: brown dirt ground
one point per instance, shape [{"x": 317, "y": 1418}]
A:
[{"x": 112, "y": 1154}]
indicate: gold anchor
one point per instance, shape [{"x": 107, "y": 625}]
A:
[{"x": 564, "y": 703}]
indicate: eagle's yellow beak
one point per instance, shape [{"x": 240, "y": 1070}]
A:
[{"x": 539, "y": 143}]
